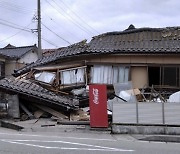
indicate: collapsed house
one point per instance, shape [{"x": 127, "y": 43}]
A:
[{"x": 149, "y": 57}]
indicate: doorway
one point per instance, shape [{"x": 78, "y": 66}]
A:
[{"x": 154, "y": 75}]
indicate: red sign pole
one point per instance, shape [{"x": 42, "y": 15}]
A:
[{"x": 98, "y": 106}]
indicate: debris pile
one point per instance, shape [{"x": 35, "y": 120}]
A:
[{"x": 27, "y": 99}]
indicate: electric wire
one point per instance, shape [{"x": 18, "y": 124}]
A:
[
  {"x": 15, "y": 34},
  {"x": 13, "y": 24},
  {"x": 70, "y": 15},
  {"x": 72, "y": 18},
  {"x": 14, "y": 7},
  {"x": 78, "y": 16},
  {"x": 77, "y": 24},
  {"x": 67, "y": 30},
  {"x": 19, "y": 9},
  {"x": 49, "y": 42},
  {"x": 56, "y": 34},
  {"x": 26, "y": 30}
]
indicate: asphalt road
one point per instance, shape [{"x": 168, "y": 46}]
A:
[{"x": 76, "y": 142}]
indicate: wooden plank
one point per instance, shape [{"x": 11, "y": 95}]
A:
[
  {"x": 38, "y": 113},
  {"x": 52, "y": 112}
]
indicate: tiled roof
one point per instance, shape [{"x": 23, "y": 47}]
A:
[
  {"x": 32, "y": 90},
  {"x": 141, "y": 40},
  {"x": 130, "y": 41},
  {"x": 70, "y": 51},
  {"x": 16, "y": 52}
]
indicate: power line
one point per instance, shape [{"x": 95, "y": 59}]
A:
[
  {"x": 78, "y": 17},
  {"x": 26, "y": 30},
  {"x": 71, "y": 16},
  {"x": 47, "y": 41},
  {"x": 11, "y": 23},
  {"x": 13, "y": 7},
  {"x": 56, "y": 34},
  {"x": 67, "y": 30},
  {"x": 14, "y": 34},
  {"x": 72, "y": 20}
]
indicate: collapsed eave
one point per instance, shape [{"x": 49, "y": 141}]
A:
[{"x": 31, "y": 91}]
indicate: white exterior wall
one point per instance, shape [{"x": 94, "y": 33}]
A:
[
  {"x": 10, "y": 66},
  {"x": 28, "y": 58}
]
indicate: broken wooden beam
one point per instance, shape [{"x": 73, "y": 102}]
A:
[
  {"x": 73, "y": 122},
  {"x": 52, "y": 112},
  {"x": 30, "y": 115}
]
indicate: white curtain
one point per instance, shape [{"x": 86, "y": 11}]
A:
[
  {"x": 47, "y": 77},
  {"x": 72, "y": 76},
  {"x": 109, "y": 74},
  {"x": 101, "y": 74}
]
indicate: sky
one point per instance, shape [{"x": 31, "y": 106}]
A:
[{"x": 65, "y": 22}]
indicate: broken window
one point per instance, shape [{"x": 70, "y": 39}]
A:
[
  {"x": 109, "y": 74},
  {"x": 73, "y": 76},
  {"x": 47, "y": 77}
]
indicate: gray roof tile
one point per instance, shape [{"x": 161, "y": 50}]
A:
[
  {"x": 16, "y": 52},
  {"x": 32, "y": 90},
  {"x": 136, "y": 41}
]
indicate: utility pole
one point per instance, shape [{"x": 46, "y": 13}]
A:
[{"x": 39, "y": 29}]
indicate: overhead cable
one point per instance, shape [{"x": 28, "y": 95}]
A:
[
  {"x": 49, "y": 42},
  {"x": 26, "y": 30},
  {"x": 13, "y": 24},
  {"x": 67, "y": 30},
  {"x": 71, "y": 17},
  {"x": 56, "y": 34},
  {"x": 78, "y": 17},
  {"x": 13, "y": 7},
  {"x": 14, "y": 34},
  {"x": 72, "y": 20}
]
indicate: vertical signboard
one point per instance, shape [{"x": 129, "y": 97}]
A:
[{"x": 98, "y": 106}]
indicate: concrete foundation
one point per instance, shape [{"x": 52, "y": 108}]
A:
[{"x": 145, "y": 129}]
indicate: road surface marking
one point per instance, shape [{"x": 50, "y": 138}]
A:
[
  {"x": 58, "y": 137},
  {"x": 94, "y": 147}
]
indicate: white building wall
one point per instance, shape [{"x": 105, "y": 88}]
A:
[
  {"x": 10, "y": 66},
  {"x": 28, "y": 58}
]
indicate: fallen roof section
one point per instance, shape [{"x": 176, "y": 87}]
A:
[{"x": 31, "y": 91}]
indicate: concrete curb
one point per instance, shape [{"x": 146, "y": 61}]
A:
[
  {"x": 145, "y": 129},
  {"x": 159, "y": 138}
]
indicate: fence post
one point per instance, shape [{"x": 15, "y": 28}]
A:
[
  {"x": 137, "y": 113},
  {"x": 163, "y": 115}
]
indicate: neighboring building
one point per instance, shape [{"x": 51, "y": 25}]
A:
[
  {"x": 13, "y": 58},
  {"x": 145, "y": 56}
]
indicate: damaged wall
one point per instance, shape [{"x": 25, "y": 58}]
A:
[
  {"x": 139, "y": 76},
  {"x": 110, "y": 69},
  {"x": 13, "y": 106}
]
